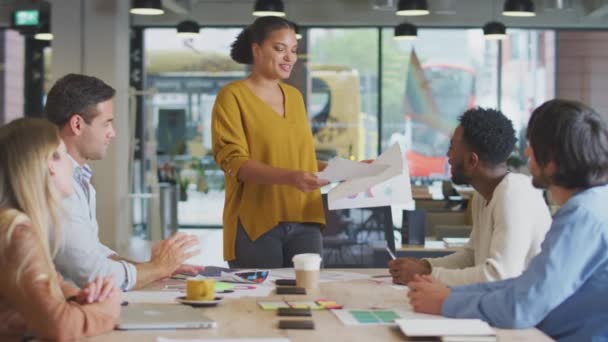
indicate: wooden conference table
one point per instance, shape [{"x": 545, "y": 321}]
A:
[{"x": 243, "y": 318}]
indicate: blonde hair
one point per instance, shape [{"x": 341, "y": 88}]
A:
[{"x": 27, "y": 194}]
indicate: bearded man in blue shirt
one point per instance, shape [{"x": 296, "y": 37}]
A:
[{"x": 564, "y": 291}]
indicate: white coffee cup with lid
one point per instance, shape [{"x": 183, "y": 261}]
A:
[{"x": 307, "y": 267}]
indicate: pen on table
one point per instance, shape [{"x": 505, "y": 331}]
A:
[{"x": 391, "y": 253}]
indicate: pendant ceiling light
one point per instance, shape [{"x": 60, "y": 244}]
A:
[
  {"x": 44, "y": 33},
  {"x": 147, "y": 7},
  {"x": 518, "y": 8},
  {"x": 406, "y": 31},
  {"x": 494, "y": 30},
  {"x": 412, "y": 8},
  {"x": 188, "y": 29},
  {"x": 264, "y": 8},
  {"x": 297, "y": 29}
]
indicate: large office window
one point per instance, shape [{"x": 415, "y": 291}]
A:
[
  {"x": 187, "y": 75},
  {"x": 364, "y": 90},
  {"x": 344, "y": 104},
  {"x": 429, "y": 82},
  {"x": 426, "y": 85},
  {"x": 528, "y": 77}
]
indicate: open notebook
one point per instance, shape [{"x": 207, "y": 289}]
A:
[{"x": 448, "y": 329}]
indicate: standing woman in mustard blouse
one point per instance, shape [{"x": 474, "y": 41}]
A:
[{"x": 263, "y": 143}]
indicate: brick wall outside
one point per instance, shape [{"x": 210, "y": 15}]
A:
[{"x": 582, "y": 67}]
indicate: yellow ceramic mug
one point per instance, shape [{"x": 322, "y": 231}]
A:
[{"x": 200, "y": 289}]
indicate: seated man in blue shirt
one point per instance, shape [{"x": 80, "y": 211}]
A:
[
  {"x": 564, "y": 291},
  {"x": 82, "y": 107}
]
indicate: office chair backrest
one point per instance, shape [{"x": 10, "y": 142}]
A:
[{"x": 362, "y": 229}]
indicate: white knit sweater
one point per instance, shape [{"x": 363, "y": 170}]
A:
[{"x": 507, "y": 233}]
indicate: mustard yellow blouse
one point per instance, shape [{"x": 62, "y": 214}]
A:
[{"x": 246, "y": 128}]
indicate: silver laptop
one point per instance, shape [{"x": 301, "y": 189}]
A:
[{"x": 162, "y": 316}]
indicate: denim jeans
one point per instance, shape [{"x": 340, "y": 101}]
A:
[{"x": 275, "y": 248}]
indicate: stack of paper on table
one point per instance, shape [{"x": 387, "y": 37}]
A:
[
  {"x": 448, "y": 329},
  {"x": 385, "y": 181}
]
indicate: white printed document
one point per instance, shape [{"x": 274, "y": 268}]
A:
[
  {"x": 340, "y": 169},
  {"x": 385, "y": 181}
]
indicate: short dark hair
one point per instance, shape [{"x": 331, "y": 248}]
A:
[
  {"x": 76, "y": 94},
  {"x": 240, "y": 50},
  {"x": 489, "y": 133},
  {"x": 575, "y": 137}
]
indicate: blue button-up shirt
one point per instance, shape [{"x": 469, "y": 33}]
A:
[
  {"x": 81, "y": 256},
  {"x": 564, "y": 291}
]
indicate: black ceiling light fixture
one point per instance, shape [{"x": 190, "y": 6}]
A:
[
  {"x": 494, "y": 30},
  {"x": 297, "y": 30},
  {"x": 263, "y": 8},
  {"x": 147, "y": 7},
  {"x": 412, "y": 8},
  {"x": 44, "y": 32},
  {"x": 406, "y": 31},
  {"x": 518, "y": 8},
  {"x": 188, "y": 29}
]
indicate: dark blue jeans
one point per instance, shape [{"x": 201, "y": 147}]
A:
[{"x": 276, "y": 248}]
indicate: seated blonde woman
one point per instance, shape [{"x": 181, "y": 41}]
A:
[{"x": 35, "y": 174}]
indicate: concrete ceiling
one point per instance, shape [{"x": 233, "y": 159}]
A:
[
  {"x": 466, "y": 13},
  {"x": 576, "y": 14}
]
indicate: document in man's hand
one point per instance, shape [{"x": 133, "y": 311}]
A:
[
  {"x": 383, "y": 182},
  {"x": 447, "y": 329}
]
